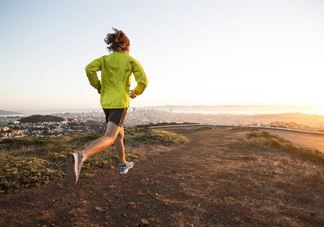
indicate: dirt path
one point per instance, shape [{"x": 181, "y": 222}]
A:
[{"x": 215, "y": 179}]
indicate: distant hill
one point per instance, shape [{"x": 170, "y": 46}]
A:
[
  {"x": 5, "y": 112},
  {"x": 290, "y": 124},
  {"x": 41, "y": 118}
]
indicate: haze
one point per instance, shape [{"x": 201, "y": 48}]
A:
[{"x": 194, "y": 52}]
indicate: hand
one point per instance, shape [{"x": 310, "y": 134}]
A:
[{"x": 132, "y": 94}]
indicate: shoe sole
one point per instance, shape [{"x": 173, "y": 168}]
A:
[
  {"x": 70, "y": 177},
  {"x": 123, "y": 173}
]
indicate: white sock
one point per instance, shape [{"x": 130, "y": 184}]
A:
[{"x": 122, "y": 163}]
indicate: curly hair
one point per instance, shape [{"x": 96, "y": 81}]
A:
[{"x": 117, "y": 41}]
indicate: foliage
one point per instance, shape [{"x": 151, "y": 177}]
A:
[
  {"x": 30, "y": 161},
  {"x": 153, "y": 136},
  {"x": 17, "y": 173},
  {"x": 267, "y": 140},
  {"x": 41, "y": 118},
  {"x": 105, "y": 160}
]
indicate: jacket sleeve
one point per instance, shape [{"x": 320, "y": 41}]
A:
[
  {"x": 140, "y": 77},
  {"x": 91, "y": 71}
]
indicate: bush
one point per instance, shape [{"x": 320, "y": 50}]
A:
[
  {"x": 152, "y": 136},
  {"x": 81, "y": 139},
  {"x": 17, "y": 173},
  {"x": 105, "y": 160},
  {"x": 267, "y": 140},
  {"x": 30, "y": 161}
]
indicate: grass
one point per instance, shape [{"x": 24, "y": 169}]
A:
[
  {"x": 19, "y": 172},
  {"x": 269, "y": 140},
  {"x": 137, "y": 136},
  {"x": 263, "y": 139},
  {"x": 30, "y": 161}
]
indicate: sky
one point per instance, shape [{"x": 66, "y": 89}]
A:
[{"x": 193, "y": 52}]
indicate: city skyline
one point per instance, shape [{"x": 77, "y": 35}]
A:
[{"x": 194, "y": 53}]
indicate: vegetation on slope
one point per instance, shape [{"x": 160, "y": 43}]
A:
[
  {"x": 22, "y": 172},
  {"x": 30, "y": 161},
  {"x": 152, "y": 136},
  {"x": 41, "y": 118},
  {"x": 263, "y": 139}
]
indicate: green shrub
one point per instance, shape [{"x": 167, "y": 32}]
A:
[
  {"x": 30, "y": 161},
  {"x": 81, "y": 139},
  {"x": 153, "y": 136},
  {"x": 105, "y": 160},
  {"x": 17, "y": 173}
]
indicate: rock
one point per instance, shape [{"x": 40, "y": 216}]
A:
[
  {"x": 99, "y": 209},
  {"x": 131, "y": 205},
  {"x": 144, "y": 223}
]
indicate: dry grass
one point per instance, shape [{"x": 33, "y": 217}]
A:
[
  {"x": 135, "y": 136},
  {"x": 226, "y": 177},
  {"x": 263, "y": 139},
  {"x": 29, "y": 161}
]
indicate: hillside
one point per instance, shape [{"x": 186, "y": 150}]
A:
[
  {"x": 41, "y": 118},
  {"x": 5, "y": 112},
  {"x": 316, "y": 122},
  {"x": 223, "y": 176}
]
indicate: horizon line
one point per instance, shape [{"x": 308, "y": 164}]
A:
[{"x": 166, "y": 106}]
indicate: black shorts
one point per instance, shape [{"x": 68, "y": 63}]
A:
[{"x": 116, "y": 116}]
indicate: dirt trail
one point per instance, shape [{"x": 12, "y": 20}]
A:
[{"x": 215, "y": 179}]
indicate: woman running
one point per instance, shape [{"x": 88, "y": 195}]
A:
[{"x": 116, "y": 69}]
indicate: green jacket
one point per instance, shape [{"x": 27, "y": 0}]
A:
[{"x": 116, "y": 69}]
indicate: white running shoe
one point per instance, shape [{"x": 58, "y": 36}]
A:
[
  {"x": 74, "y": 164},
  {"x": 123, "y": 169}
]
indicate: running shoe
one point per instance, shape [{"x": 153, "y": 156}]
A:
[
  {"x": 123, "y": 169},
  {"x": 74, "y": 164}
]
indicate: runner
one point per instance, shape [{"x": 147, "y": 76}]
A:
[{"x": 116, "y": 69}]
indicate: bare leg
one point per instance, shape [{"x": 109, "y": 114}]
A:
[
  {"x": 102, "y": 142},
  {"x": 119, "y": 146}
]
